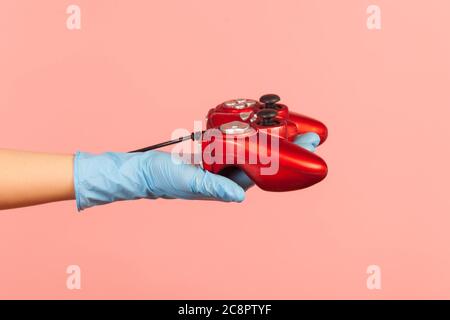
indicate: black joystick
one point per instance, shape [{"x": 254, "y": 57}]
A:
[
  {"x": 267, "y": 117},
  {"x": 269, "y": 100}
]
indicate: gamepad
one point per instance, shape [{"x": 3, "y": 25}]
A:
[
  {"x": 246, "y": 110},
  {"x": 258, "y": 138},
  {"x": 242, "y": 130}
]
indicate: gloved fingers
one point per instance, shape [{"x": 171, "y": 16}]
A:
[
  {"x": 240, "y": 177},
  {"x": 213, "y": 186},
  {"x": 309, "y": 141}
]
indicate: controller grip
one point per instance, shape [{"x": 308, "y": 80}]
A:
[
  {"x": 277, "y": 166},
  {"x": 306, "y": 124},
  {"x": 297, "y": 168}
]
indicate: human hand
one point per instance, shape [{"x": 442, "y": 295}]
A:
[{"x": 108, "y": 177}]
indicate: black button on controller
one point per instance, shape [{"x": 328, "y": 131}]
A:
[
  {"x": 267, "y": 117},
  {"x": 269, "y": 100}
]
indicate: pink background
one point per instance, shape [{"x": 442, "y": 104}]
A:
[{"x": 139, "y": 69}]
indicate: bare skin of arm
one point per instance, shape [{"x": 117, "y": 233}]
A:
[{"x": 30, "y": 178}]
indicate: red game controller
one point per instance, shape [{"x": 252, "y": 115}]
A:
[
  {"x": 257, "y": 137},
  {"x": 246, "y": 110}
]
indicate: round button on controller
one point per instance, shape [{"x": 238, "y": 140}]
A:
[
  {"x": 267, "y": 116},
  {"x": 239, "y": 103},
  {"x": 269, "y": 100},
  {"x": 230, "y": 103},
  {"x": 235, "y": 127}
]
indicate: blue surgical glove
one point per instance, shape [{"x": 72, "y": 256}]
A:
[
  {"x": 108, "y": 177},
  {"x": 309, "y": 141}
]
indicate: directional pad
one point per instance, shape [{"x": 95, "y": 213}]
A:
[{"x": 239, "y": 103}]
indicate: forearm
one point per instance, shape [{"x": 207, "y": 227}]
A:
[{"x": 29, "y": 178}]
